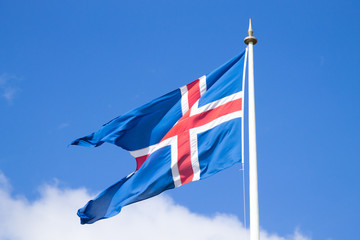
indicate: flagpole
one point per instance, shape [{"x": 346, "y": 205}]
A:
[{"x": 253, "y": 179}]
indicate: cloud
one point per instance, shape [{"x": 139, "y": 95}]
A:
[
  {"x": 52, "y": 216},
  {"x": 9, "y": 94},
  {"x": 8, "y": 88},
  {"x": 63, "y": 125}
]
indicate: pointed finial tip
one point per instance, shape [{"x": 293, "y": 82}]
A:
[
  {"x": 250, "y": 38},
  {"x": 250, "y": 31}
]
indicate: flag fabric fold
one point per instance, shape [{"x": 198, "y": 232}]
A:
[{"x": 186, "y": 135}]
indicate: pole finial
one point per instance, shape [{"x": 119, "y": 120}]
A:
[
  {"x": 250, "y": 38},
  {"x": 250, "y": 31}
]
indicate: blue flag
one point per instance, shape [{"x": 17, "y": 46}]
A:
[{"x": 186, "y": 135}]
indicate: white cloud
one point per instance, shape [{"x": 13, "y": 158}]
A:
[
  {"x": 9, "y": 94},
  {"x": 8, "y": 87},
  {"x": 63, "y": 125},
  {"x": 52, "y": 216}
]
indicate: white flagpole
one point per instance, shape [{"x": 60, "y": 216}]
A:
[{"x": 253, "y": 179}]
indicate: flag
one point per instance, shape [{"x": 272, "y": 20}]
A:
[{"x": 186, "y": 135}]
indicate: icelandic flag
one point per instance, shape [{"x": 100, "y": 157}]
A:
[{"x": 186, "y": 135}]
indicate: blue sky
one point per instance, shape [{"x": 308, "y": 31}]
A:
[{"x": 67, "y": 67}]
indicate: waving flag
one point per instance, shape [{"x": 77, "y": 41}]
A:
[{"x": 183, "y": 136}]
